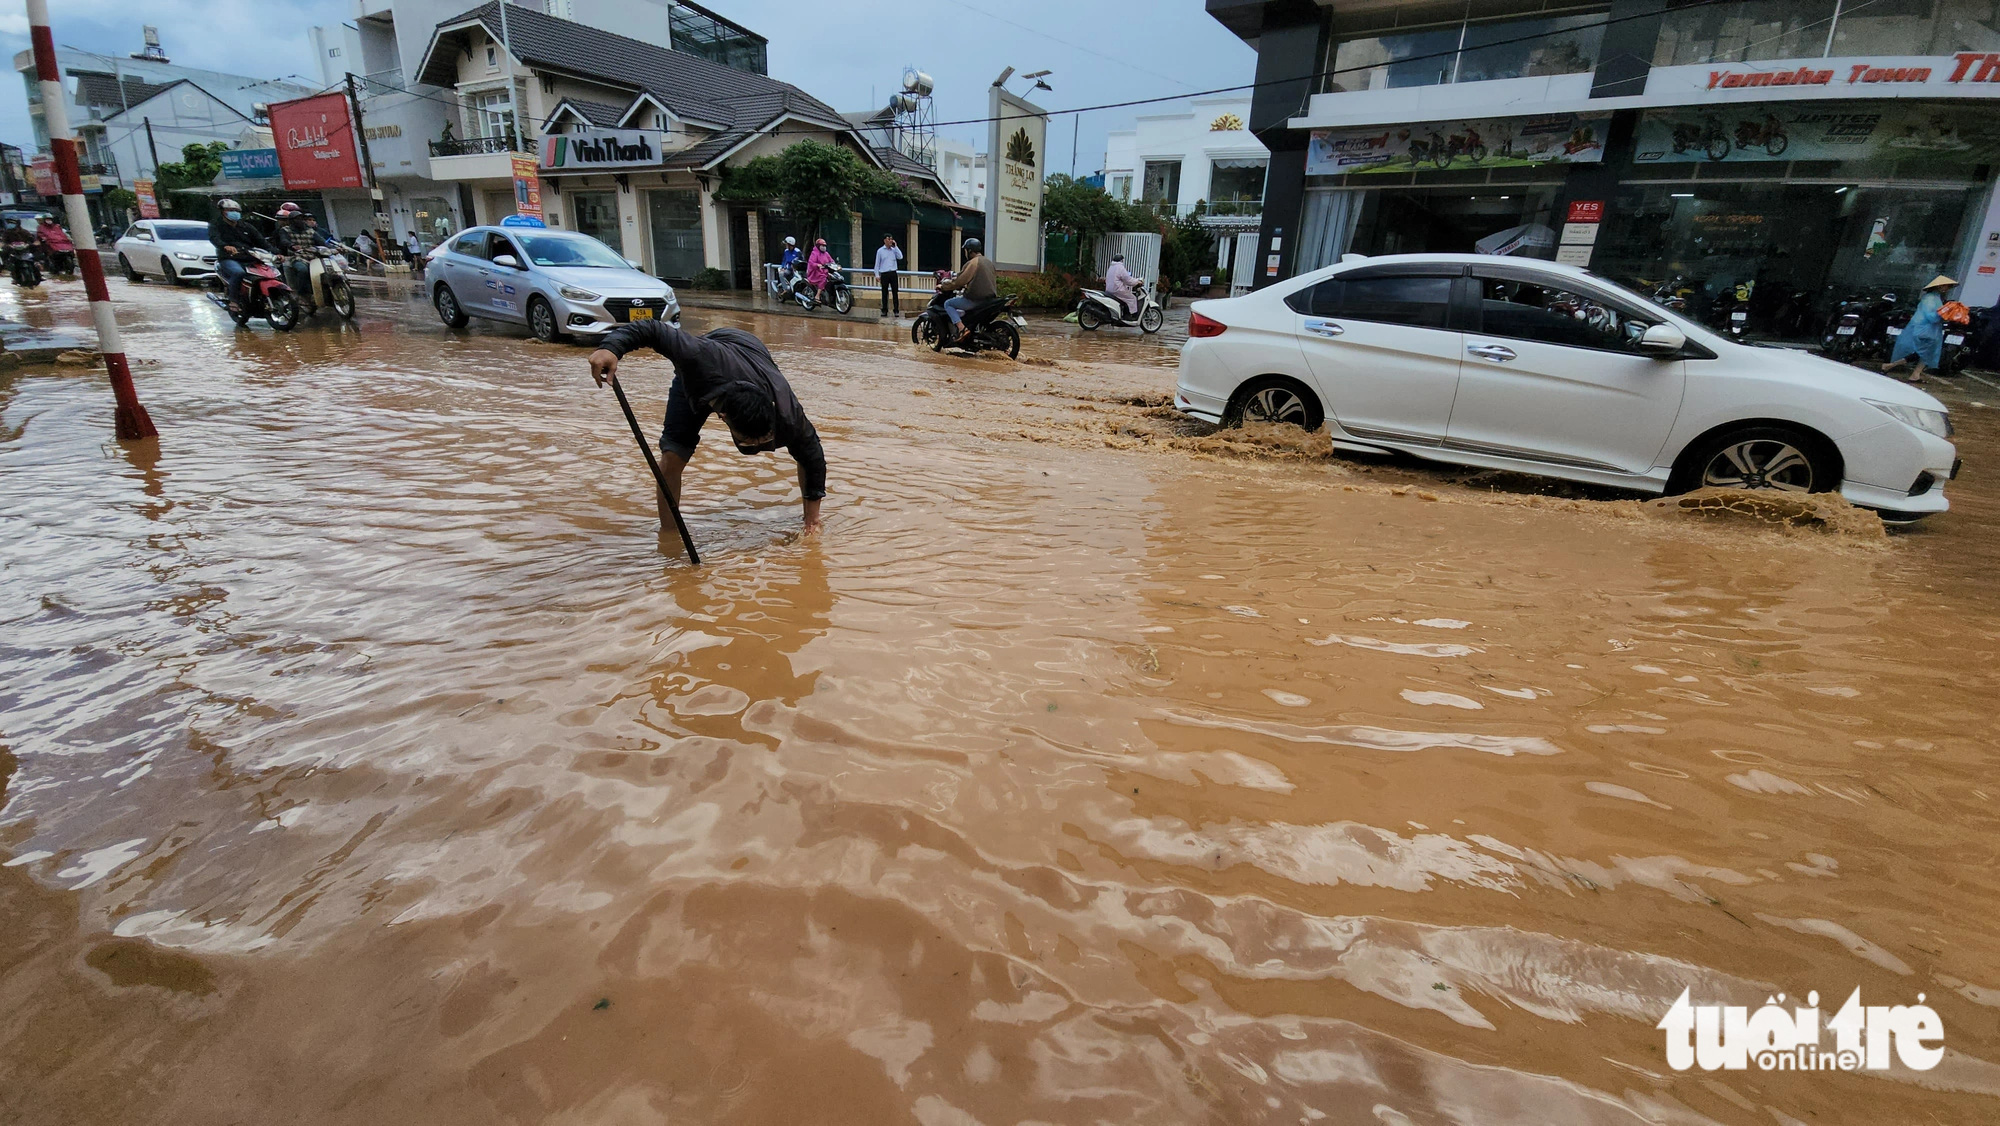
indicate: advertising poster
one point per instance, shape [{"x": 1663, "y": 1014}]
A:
[
  {"x": 527, "y": 188},
  {"x": 43, "y": 170},
  {"x": 1849, "y": 131},
  {"x": 1014, "y": 192},
  {"x": 149, "y": 207},
  {"x": 316, "y": 145},
  {"x": 1503, "y": 142}
]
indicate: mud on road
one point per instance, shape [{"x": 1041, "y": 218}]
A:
[{"x": 367, "y": 754}]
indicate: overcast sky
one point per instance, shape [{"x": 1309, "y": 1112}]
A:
[{"x": 1100, "y": 50}]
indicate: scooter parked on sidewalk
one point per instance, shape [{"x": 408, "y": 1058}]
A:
[
  {"x": 265, "y": 295},
  {"x": 1098, "y": 308},
  {"x": 1858, "y": 328}
]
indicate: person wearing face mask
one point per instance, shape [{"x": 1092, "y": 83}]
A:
[
  {"x": 234, "y": 240},
  {"x": 727, "y": 372}
]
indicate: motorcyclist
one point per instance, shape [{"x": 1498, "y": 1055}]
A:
[
  {"x": 816, "y": 269},
  {"x": 15, "y": 238},
  {"x": 296, "y": 236},
  {"x": 61, "y": 251},
  {"x": 234, "y": 240},
  {"x": 1119, "y": 283},
  {"x": 788, "y": 261},
  {"x": 974, "y": 283}
]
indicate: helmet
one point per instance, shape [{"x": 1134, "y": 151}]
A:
[
  {"x": 229, "y": 205},
  {"x": 1117, "y": 257},
  {"x": 288, "y": 211},
  {"x": 790, "y": 241},
  {"x": 970, "y": 246}
]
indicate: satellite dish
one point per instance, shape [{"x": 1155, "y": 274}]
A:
[{"x": 917, "y": 82}]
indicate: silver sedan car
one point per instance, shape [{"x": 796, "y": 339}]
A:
[{"x": 558, "y": 283}]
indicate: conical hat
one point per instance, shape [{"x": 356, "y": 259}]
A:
[{"x": 1941, "y": 281}]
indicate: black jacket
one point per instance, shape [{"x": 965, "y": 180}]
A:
[
  {"x": 288, "y": 239},
  {"x": 707, "y": 363},
  {"x": 240, "y": 235}
]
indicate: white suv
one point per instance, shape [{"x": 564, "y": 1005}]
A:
[{"x": 1539, "y": 368}]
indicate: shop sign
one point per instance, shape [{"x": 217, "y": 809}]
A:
[
  {"x": 149, "y": 205},
  {"x": 601, "y": 150},
  {"x": 1504, "y": 142},
  {"x": 316, "y": 148},
  {"x": 1017, "y": 137},
  {"x": 1966, "y": 74},
  {"x": 1844, "y": 131},
  {"x": 527, "y": 188},
  {"x": 43, "y": 170},
  {"x": 250, "y": 164}
]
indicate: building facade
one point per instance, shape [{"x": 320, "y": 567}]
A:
[
  {"x": 1802, "y": 149},
  {"x": 133, "y": 113},
  {"x": 1203, "y": 158}
]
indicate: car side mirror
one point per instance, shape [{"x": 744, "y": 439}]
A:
[
  {"x": 1663, "y": 339},
  {"x": 507, "y": 260}
]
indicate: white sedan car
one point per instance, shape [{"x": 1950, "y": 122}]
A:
[
  {"x": 1539, "y": 368},
  {"x": 174, "y": 249}
]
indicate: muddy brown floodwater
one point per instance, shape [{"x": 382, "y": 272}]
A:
[{"x": 368, "y": 757}]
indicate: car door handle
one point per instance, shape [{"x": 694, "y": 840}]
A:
[
  {"x": 1492, "y": 352},
  {"x": 1324, "y": 328}
]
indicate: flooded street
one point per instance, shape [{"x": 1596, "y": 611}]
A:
[{"x": 368, "y": 756}]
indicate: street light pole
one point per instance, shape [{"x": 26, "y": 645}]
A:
[{"x": 131, "y": 420}]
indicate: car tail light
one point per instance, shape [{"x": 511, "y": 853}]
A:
[{"x": 1199, "y": 325}]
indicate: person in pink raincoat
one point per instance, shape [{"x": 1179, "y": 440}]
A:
[{"x": 816, "y": 264}]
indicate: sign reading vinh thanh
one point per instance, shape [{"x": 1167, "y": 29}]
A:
[
  {"x": 600, "y": 150},
  {"x": 1014, "y": 189}
]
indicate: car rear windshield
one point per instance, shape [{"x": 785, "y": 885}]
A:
[
  {"x": 182, "y": 232},
  {"x": 570, "y": 250}
]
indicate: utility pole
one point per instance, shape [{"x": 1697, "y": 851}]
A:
[
  {"x": 130, "y": 420},
  {"x": 155, "y": 149},
  {"x": 367, "y": 162}
]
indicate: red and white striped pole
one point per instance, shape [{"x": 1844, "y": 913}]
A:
[{"x": 132, "y": 420}]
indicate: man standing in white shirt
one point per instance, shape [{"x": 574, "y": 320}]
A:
[{"x": 889, "y": 259}]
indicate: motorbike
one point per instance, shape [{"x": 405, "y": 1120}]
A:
[
  {"x": 1468, "y": 144},
  {"x": 1731, "y": 310},
  {"x": 265, "y": 295},
  {"x": 990, "y": 326},
  {"x": 21, "y": 264},
  {"x": 1769, "y": 136},
  {"x": 1673, "y": 293},
  {"x": 328, "y": 286},
  {"x": 1098, "y": 308},
  {"x": 1706, "y": 137},
  {"x": 1858, "y": 327},
  {"x": 838, "y": 293},
  {"x": 62, "y": 262}
]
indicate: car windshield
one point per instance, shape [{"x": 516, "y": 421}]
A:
[
  {"x": 1651, "y": 308},
  {"x": 181, "y": 232},
  {"x": 571, "y": 250}
]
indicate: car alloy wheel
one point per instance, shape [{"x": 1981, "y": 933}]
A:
[
  {"x": 1275, "y": 404},
  {"x": 542, "y": 321},
  {"x": 447, "y": 307},
  {"x": 131, "y": 272},
  {"x": 1761, "y": 463}
]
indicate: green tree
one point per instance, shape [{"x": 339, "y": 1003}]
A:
[
  {"x": 816, "y": 182},
  {"x": 198, "y": 167},
  {"x": 1088, "y": 212},
  {"x": 1187, "y": 249}
]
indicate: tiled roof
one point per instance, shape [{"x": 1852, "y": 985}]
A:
[
  {"x": 601, "y": 114},
  {"x": 96, "y": 88}
]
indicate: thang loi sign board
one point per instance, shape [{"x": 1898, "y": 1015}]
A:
[{"x": 1014, "y": 191}]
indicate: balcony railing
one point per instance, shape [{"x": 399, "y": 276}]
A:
[{"x": 476, "y": 146}]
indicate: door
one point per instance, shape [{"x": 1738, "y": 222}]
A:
[
  {"x": 675, "y": 218},
  {"x": 1555, "y": 375},
  {"x": 506, "y": 287},
  {"x": 1379, "y": 343},
  {"x": 596, "y": 214},
  {"x": 499, "y": 205},
  {"x": 739, "y": 249},
  {"x": 466, "y": 268}
]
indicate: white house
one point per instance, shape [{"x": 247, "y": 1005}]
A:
[{"x": 1202, "y": 154}]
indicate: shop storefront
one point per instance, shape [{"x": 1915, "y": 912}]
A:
[{"x": 1802, "y": 178}]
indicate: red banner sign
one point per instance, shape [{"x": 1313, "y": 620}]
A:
[
  {"x": 527, "y": 188},
  {"x": 149, "y": 207},
  {"x": 1586, "y": 211},
  {"x": 43, "y": 170},
  {"x": 316, "y": 143}
]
